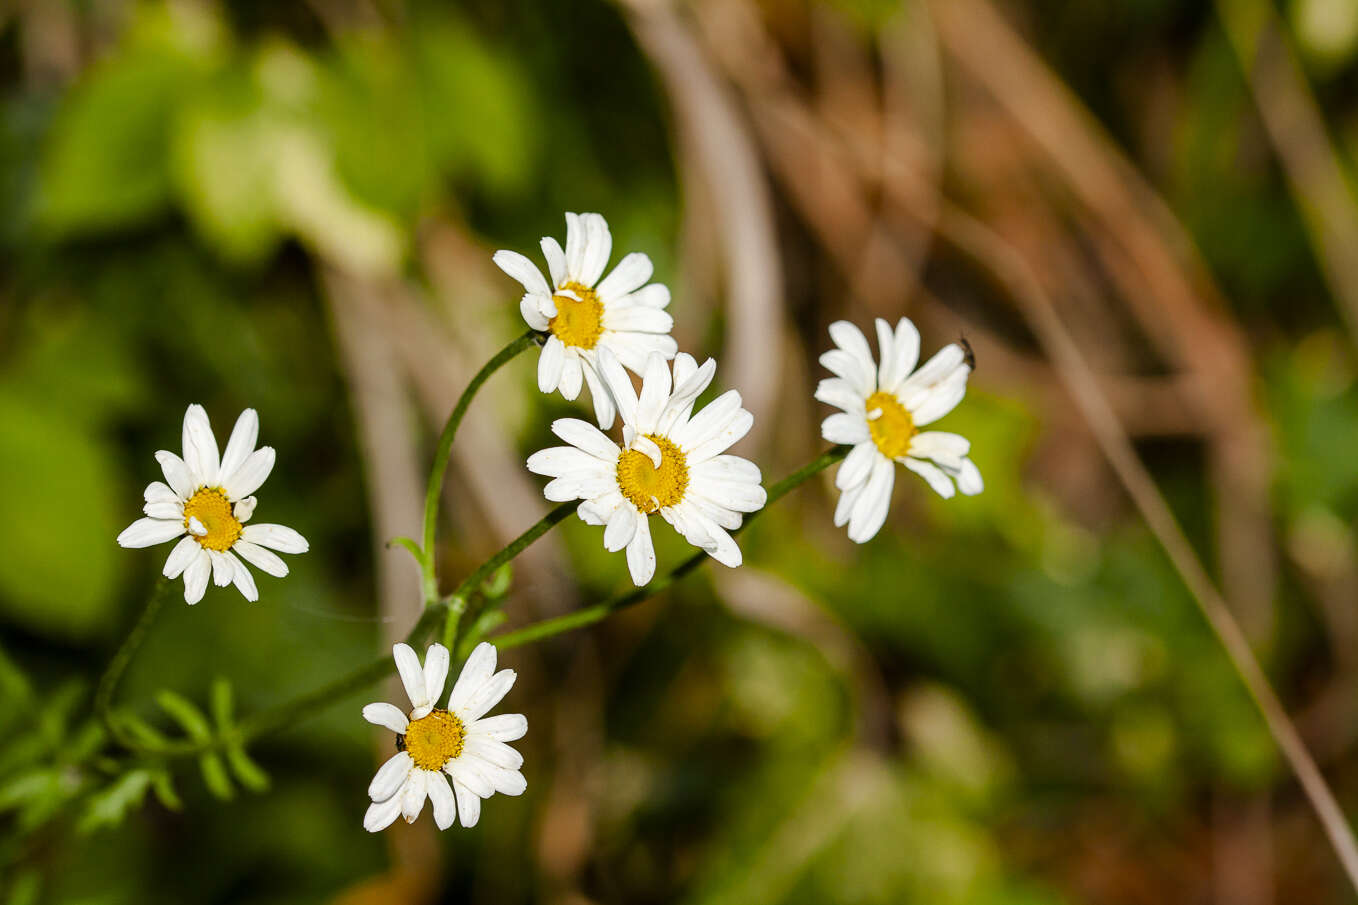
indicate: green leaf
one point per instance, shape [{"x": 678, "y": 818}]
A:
[
  {"x": 39, "y": 588},
  {"x": 110, "y": 806},
  {"x": 222, "y": 704},
  {"x": 163, "y": 787},
  {"x": 142, "y": 731},
  {"x": 25, "y": 889},
  {"x": 185, "y": 713},
  {"x": 497, "y": 585},
  {"x": 250, "y": 774},
  {"x": 215, "y": 777},
  {"x": 28, "y": 787}
]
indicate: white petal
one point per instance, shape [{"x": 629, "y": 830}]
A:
[
  {"x": 617, "y": 382},
  {"x": 630, "y": 275},
  {"x": 575, "y": 246},
  {"x": 147, "y": 532},
  {"x": 381, "y": 814},
  {"x": 412, "y": 796},
  {"x": 264, "y": 560},
  {"x": 496, "y": 753},
  {"x": 412, "y": 677},
  {"x": 468, "y": 805},
  {"x": 598, "y": 248},
  {"x": 200, "y": 447},
  {"x": 471, "y": 774},
  {"x": 277, "y": 537},
  {"x": 391, "y": 776},
  {"x": 564, "y": 461},
  {"x": 731, "y": 469},
  {"x": 530, "y": 307},
  {"x": 849, "y": 338},
  {"x": 840, "y": 393},
  {"x": 656, "y": 295},
  {"x": 936, "y": 369},
  {"x": 243, "y": 580},
  {"x": 655, "y": 392},
  {"x": 177, "y": 474},
  {"x": 550, "y": 364},
  {"x": 638, "y": 319},
  {"x": 844, "y": 428},
  {"x": 180, "y": 557},
  {"x": 556, "y": 260},
  {"x": 858, "y": 373},
  {"x": 435, "y": 671},
  {"x": 196, "y": 577},
  {"x": 244, "y": 509},
  {"x": 242, "y": 443},
  {"x": 160, "y": 492},
  {"x": 869, "y": 513},
  {"x": 572, "y": 378},
  {"x": 521, "y": 269},
  {"x": 222, "y": 572},
  {"x": 944, "y": 448},
  {"x": 709, "y": 422},
  {"x": 969, "y": 478},
  {"x": 387, "y": 715},
  {"x": 441, "y": 797},
  {"x": 930, "y": 404},
  {"x": 504, "y": 727},
  {"x": 641, "y": 554},
  {"x": 585, "y": 436},
  {"x": 487, "y": 695},
  {"x": 475, "y": 673},
  {"x": 196, "y": 527},
  {"x": 251, "y": 474},
  {"x": 938, "y": 479},
  {"x": 857, "y": 465},
  {"x": 903, "y": 358},
  {"x": 603, "y": 401},
  {"x": 847, "y": 500},
  {"x": 622, "y": 526}
]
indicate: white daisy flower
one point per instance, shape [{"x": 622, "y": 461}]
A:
[
  {"x": 460, "y": 741},
  {"x": 671, "y": 462},
  {"x": 207, "y": 502},
  {"x": 884, "y": 407},
  {"x": 621, "y": 313}
]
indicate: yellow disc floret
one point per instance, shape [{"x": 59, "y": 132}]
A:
[
  {"x": 211, "y": 507},
  {"x": 894, "y": 428},
  {"x": 650, "y": 488},
  {"x": 580, "y": 322},
  {"x": 433, "y": 740}
]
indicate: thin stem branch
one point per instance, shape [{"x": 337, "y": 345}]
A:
[
  {"x": 429, "y": 580},
  {"x": 974, "y": 238},
  {"x": 113, "y": 673},
  {"x": 589, "y": 615}
]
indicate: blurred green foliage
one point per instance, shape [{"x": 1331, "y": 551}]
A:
[{"x": 163, "y": 218}]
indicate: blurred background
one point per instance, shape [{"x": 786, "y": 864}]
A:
[{"x": 1002, "y": 700}]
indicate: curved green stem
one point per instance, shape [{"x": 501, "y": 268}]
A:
[
  {"x": 599, "y": 611},
  {"x": 113, "y": 673},
  {"x": 429, "y": 580}
]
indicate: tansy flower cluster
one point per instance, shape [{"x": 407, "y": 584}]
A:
[{"x": 670, "y": 458}]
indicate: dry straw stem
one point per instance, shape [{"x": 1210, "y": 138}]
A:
[
  {"x": 1297, "y": 129},
  {"x": 975, "y": 239}
]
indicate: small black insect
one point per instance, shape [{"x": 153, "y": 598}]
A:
[
  {"x": 400, "y": 743},
  {"x": 968, "y": 355}
]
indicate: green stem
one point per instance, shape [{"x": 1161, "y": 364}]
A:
[
  {"x": 108, "y": 683},
  {"x": 429, "y": 580},
  {"x": 589, "y": 615},
  {"x": 472, "y": 582}
]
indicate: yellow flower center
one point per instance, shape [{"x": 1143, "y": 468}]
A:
[
  {"x": 893, "y": 430},
  {"x": 211, "y": 507},
  {"x": 433, "y": 740},
  {"x": 650, "y": 488},
  {"x": 578, "y": 323}
]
